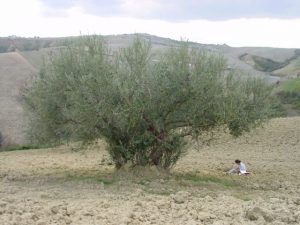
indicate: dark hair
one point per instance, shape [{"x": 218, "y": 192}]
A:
[{"x": 237, "y": 161}]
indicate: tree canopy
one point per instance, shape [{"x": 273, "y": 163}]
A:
[{"x": 142, "y": 105}]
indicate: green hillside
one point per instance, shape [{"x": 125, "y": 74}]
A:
[
  {"x": 288, "y": 93},
  {"x": 292, "y": 85}
]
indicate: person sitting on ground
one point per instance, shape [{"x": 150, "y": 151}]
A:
[{"x": 239, "y": 168}]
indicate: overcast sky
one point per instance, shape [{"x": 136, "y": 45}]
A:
[{"x": 274, "y": 23}]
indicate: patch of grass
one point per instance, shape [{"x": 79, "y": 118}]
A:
[
  {"x": 162, "y": 189},
  {"x": 292, "y": 98},
  {"x": 277, "y": 107},
  {"x": 292, "y": 85},
  {"x": 24, "y": 147},
  {"x": 206, "y": 180},
  {"x": 246, "y": 199},
  {"x": 105, "y": 181},
  {"x": 96, "y": 178},
  {"x": 242, "y": 196},
  {"x": 143, "y": 182},
  {"x": 287, "y": 97},
  {"x": 159, "y": 192}
]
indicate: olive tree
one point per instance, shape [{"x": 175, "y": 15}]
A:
[{"x": 144, "y": 107}]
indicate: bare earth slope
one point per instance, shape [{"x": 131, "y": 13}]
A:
[
  {"x": 62, "y": 186},
  {"x": 14, "y": 71}
]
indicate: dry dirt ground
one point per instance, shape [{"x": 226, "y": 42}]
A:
[{"x": 66, "y": 186}]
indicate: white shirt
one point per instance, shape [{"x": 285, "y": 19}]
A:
[{"x": 242, "y": 168}]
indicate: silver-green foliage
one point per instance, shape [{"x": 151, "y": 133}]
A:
[{"x": 143, "y": 108}]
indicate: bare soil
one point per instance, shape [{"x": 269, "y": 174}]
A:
[{"x": 67, "y": 186}]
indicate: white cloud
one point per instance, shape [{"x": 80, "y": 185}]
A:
[
  {"x": 18, "y": 16},
  {"x": 249, "y": 32},
  {"x": 175, "y": 10},
  {"x": 143, "y": 8}
]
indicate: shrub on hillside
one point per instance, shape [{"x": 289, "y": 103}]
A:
[{"x": 143, "y": 108}]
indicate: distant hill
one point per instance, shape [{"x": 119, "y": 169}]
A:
[
  {"x": 13, "y": 43},
  {"x": 21, "y": 58},
  {"x": 274, "y": 63}
]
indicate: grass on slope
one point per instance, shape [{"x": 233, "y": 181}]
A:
[
  {"x": 292, "y": 85},
  {"x": 288, "y": 94}
]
